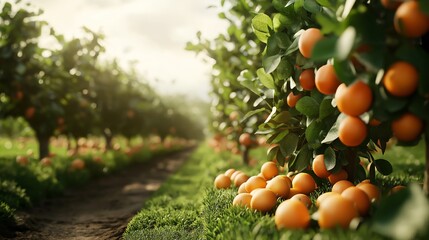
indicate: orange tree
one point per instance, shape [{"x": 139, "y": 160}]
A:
[
  {"x": 235, "y": 54},
  {"x": 356, "y": 77},
  {"x": 26, "y": 88}
]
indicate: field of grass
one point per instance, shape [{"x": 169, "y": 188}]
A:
[{"x": 187, "y": 206}]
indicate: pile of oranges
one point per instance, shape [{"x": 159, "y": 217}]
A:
[{"x": 289, "y": 194}]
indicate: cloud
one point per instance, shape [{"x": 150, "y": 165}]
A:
[{"x": 153, "y": 32}]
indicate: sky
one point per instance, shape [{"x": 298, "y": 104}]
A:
[{"x": 152, "y": 32}]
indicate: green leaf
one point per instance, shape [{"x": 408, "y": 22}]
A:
[
  {"x": 424, "y": 6},
  {"x": 324, "y": 49},
  {"x": 279, "y": 137},
  {"x": 326, "y": 108},
  {"x": 345, "y": 71},
  {"x": 282, "y": 117},
  {"x": 303, "y": 159},
  {"x": 308, "y": 106},
  {"x": 273, "y": 111},
  {"x": 265, "y": 78},
  {"x": 383, "y": 166},
  {"x": 403, "y": 215},
  {"x": 251, "y": 113},
  {"x": 282, "y": 40},
  {"x": 312, "y": 133},
  {"x": 333, "y": 131},
  {"x": 312, "y": 6},
  {"x": 293, "y": 47},
  {"x": 330, "y": 159},
  {"x": 272, "y": 153},
  {"x": 345, "y": 44},
  {"x": 271, "y": 63},
  {"x": 261, "y": 25},
  {"x": 284, "y": 70},
  {"x": 289, "y": 144}
]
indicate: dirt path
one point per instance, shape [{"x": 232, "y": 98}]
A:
[{"x": 102, "y": 209}]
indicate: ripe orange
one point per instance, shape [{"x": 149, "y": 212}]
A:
[
  {"x": 78, "y": 164},
  {"x": 324, "y": 196},
  {"x": 391, "y": 4},
  {"x": 234, "y": 175},
  {"x": 304, "y": 183},
  {"x": 401, "y": 79},
  {"x": 303, "y": 198},
  {"x": 233, "y": 115},
  {"x": 307, "y": 79},
  {"x": 222, "y": 181},
  {"x": 280, "y": 186},
  {"x": 396, "y": 189},
  {"x": 242, "y": 199},
  {"x": 292, "y": 99},
  {"x": 29, "y": 112},
  {"x": 269, "y": 170},
  {"x": 341, "y": 185},
  {"x": 22, "y": 160},
  {"x": 229, "y": 172},
  {"x": 46, "y": 161},
  {"x": 410, "y": 21},
  {"x": 307, "y": 40},
  {"x": 263, "y": 200},
  {"x": 336, "y": 211},
  {"x": 240, "y": 179},
  {"x": 371, "y": 190},
  {"x": 355, "y": 99},
  {"x": 245, "y": 139},
  {"x": 242, "y": 189},
  {"x": 374, "y": 122},
  {"x": 319, "y": 167},
  {"x": 326, "y": 79},
  {"x": 255, "y": 182},
  {"x": 359, "y": 197},
  {"x": 352, "y": 131},
  {"x": 338, "y": 176},
  {"x": 292, "y": 192},
  {"x": 292, "y": 214},
  {"x": 407, "y": 127}
]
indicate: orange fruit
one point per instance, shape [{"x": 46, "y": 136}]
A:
[
  {"x": 78, "y": 164},
  {"x": 391, "y": 4},
  {"x": 374, "y": 122},
  {"x": 245, "y": 139},
  {"x": 242, "y": 199},
  {"x": 336, "y": 211},
  {"x": 46, "y": 161},
  {"x": 303, "y": 198},
  {"x": 307, "y": 79},
  {"x": 292, "y": 192},
  {"x": 352, "y": 131},
  {"x": 242, "y": 189},
  {"x": 269, "y": 170},
  {"x": 304, "y": 183},
  {"x": 407, "y": 127},
  {"x": 255, "y": 182},
  {"x": 355, "y": 99},
  {"x": 229, "y": 172},
  {"x": 222, "y": 181},
  {"x": 292, "y": 99},
  {"x": 280, "y": 186},
  {"x": 307, "y": 40},
  {"x": 263, "y": 200},
  {"x": 324, "y": 196},
  {"x": 341, "y": 185},
  {"x": 409, "y": 20},
  {"x": 22, "y": 160},
  {"x": 401, "y": 79},
  {"x": 319, "y": 167},
  {"x": 371, "y": 190},
  {"x": 234, "y": 115},
  {"x": 240, "y": 179},
  {"x": 396, "y": 189},
  {"x": 234, "y": 175},
  {"x": 359, "y": 198},
  {"x": 338, "y": 176},
  {"x": 326, "y": 79},
  {"x": 292, "y": 214}
]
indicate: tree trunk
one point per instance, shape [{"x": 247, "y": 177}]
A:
[
  {"x": 108, "y": 138},
  {"x": 43, "y": 142},
  {"x": 246, "y": 159},
  {"x": 426, "y": 177}
]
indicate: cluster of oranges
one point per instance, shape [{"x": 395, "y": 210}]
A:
[
  {"x": 401, "y": 80},
  {"x": 264, "y": 191}
]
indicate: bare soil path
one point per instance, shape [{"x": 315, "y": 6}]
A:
[{"x": 101, "y": 209}]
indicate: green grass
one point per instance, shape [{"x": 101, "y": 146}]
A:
[{"x": 188, "y": 207}]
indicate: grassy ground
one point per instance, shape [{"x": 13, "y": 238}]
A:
[{"x": 188, "y": 207}]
